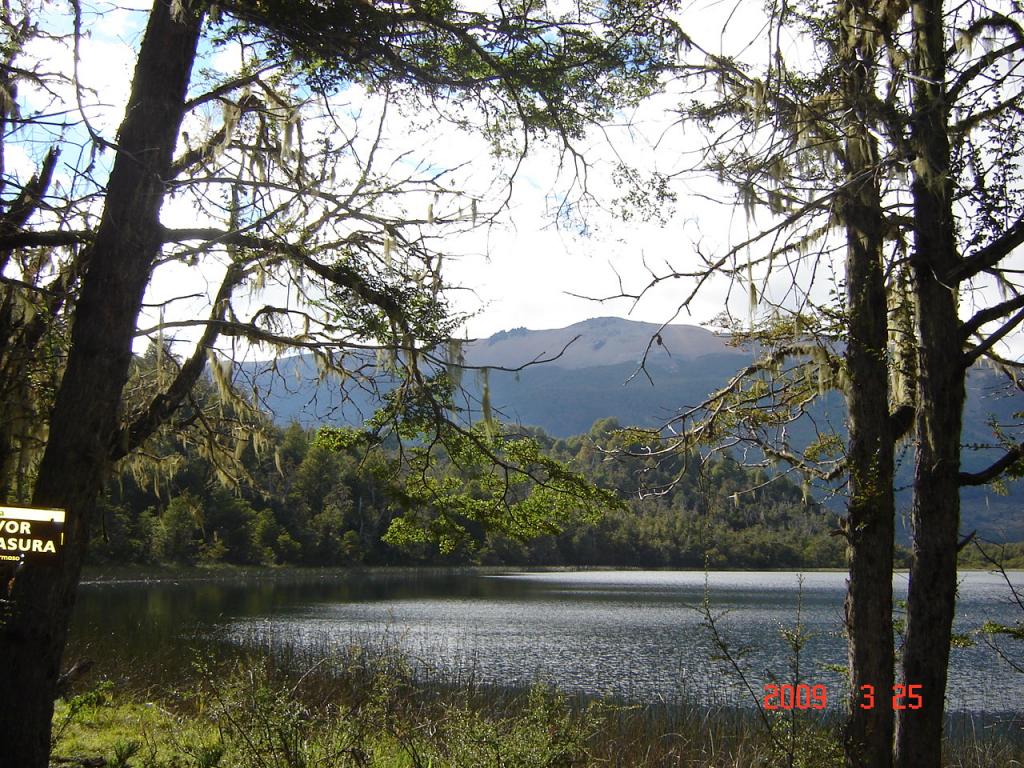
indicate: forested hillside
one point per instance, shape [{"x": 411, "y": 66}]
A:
[
  {"x": 307, "y": 504},
  {"x": 594, "y": 379}
]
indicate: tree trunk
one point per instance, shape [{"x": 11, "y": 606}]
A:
[
  {"x": 868, "y": 735},
  {"x": 935, "y": 514},
  {"x": 870, "y": 520},
  {"x": 76, "y": 460}
]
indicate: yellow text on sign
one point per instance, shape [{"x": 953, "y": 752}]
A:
[{"x": 26, "y": 531}]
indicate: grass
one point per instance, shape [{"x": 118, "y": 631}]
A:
[
  {"x": 368, "y": 710},
  {"x": 109, "y": 730}
]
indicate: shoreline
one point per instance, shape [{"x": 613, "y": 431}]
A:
[{"x": 126, "y": 574}]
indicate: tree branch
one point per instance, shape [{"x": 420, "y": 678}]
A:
[
  {"x": 994, "y": 470},
  {"x": 195, "y": 155},
  {"x": 228, "y": 87},
  {"x": 338, "y": 274},
  {"x": 973, "y": 354},
  {"x": 976, "y": 69},
  {"x": 129, "y": 437},
  {"x": 988, "y": 256},
  {"x": 51, "y": 238},
  {"x": 901, "y": 420},
  {"x": 26, "y": 203},
  {"x": 988, "y": 315}
]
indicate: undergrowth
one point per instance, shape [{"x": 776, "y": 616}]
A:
[{"x": 360, "y": 710}]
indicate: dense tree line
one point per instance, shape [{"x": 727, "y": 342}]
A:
[{"x": 305, "y": 503}]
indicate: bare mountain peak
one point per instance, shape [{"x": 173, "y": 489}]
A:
[{"x": 602, "y": 341}]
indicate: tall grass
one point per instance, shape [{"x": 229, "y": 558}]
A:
[{"x": 347, "y": 704}]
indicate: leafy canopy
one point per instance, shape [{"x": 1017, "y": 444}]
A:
[
  {"x": 448, "y": 478},
  {"x": 545, "y": 67}
]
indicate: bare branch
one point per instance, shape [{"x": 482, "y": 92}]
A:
[
  {"x": 990, "y": 314},
  {"x": 26, "y": 203},
  {"x": 994, "y": 470},
  {"x": 980, "y": 65},
  {"x": 129, "y": 437},
  {"x": 991, "y": 340},
  {"x": 988, "y": 256}
]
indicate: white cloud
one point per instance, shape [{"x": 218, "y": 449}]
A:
[{"x": 530, "y": 264}]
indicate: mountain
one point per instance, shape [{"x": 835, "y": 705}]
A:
[
  {"x": 601, "y": 342},
  {"x": 587, "y": 374},
  {"x": 591, "y": 373},
  {"x": 597, "y": 376}
]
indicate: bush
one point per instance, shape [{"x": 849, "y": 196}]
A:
[
  {"x": 173, "y": 533},
  {"x": 546, "y": 734}
]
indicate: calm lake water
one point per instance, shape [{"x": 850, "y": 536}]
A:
[{"x": 633, "y": 634}]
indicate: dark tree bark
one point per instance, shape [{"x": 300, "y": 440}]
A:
[
  {"x": 935, "y": 514},
  {"x": 870, "y": 511},
  {"x": 119, "y": 264}
]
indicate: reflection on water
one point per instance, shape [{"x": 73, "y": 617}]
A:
[{"x": 633, "y": 634}]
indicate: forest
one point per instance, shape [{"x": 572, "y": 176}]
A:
[
  {"x": 316, "y": 506},
  {"x": 303, "y": 496}
]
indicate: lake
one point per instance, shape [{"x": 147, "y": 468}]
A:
[{"x": 632, "y": 634}]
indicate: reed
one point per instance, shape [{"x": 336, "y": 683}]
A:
[{"x": 350, "y": 704}]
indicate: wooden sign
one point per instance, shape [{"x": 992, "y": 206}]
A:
[{"x": 31, "y": 535}]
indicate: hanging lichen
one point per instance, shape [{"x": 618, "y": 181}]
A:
[
  {"x": 485, "y": 401},
  {"x": 454, "y": 361},
  {"x": 232, "y": 114},
  {"x": 160, "y": 343}
]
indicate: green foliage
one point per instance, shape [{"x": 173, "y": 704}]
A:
[
  {"x": 267, "y": 727},
  {"x": 545, "y": 735},
  {"x": 504, "y": 483},
  {"x": 208, "y": 755},
  {"x": 803, "y": 744},
  {"x": 366, "y": 710},
  {"x": 404, "y": 490},
  {"x": 173, "y": 539},
  {"x": 123, "y": 752},
  {"x": 79, "y": 705},
  {"x": 1010, "y": 555},
  {"x": 828, "y": 446},
  {"x": 229, "y": 528},
  {"x": 214, "y": 551},
  {"x": 960, "y": 640},
  {"x": 546, "y": 71},
  {"x": 338, "y": 439},
  {"x": 123, "y": 536},
  {"x": 993, "y": 628},
  {"x": 268, "y": 537}
]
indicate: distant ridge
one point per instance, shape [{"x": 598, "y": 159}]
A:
[
  {"x": 587, "y": 375},
  {"x": 601, "y": 341},
  {"x": 593, "y": 379}
]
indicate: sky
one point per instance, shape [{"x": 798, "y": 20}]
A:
[
  {"x": 516, "y": 272},
  {"x": 523, "y": 269}
]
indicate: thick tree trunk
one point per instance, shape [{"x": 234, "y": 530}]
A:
[
  {"x": 870, "y": 520},
  {"x": 940, "y": 398},
  {"x": 868, "y": 735},
  {"x": 74, "y": 465}
]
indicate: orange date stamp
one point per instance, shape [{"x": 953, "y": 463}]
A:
[{"x": 784, "y": 696}]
